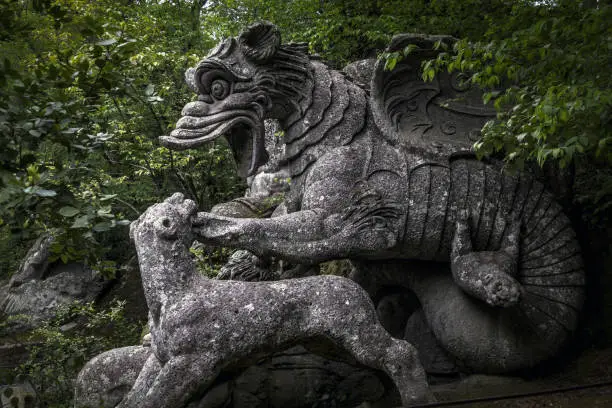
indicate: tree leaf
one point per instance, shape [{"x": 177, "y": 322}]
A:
[
  {"x": 81, "y": 222},
  {"x": 41, "y": 192},
  {"x": 107, "y": 197},
  {"x": 107, "y": 42},
  {"x": 68, "y": 211},
  {"x": 102, "y": 226}
]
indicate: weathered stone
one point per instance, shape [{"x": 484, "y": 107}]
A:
[
  {"x": 105, "y": 380},
  {"x": 361, "y": 71},
  {"x": 383, "y": 179},
  {"x": 40, "y": 298},
  {"x": 265, "y": 193},
  {"x": 266, "y": 185},
  {"x": 266, "y": 188},
  {"x": 34, "y": 265},
  {"x": 488, "y": 275},
  {"x": 293, "y": 378},
  {"x": 299, "y": 379},
  {"x": 200, "y": 327},
  {"x": 244, "y": 266},
  {"x": 20, "y": 395},
  {"x": 434, "y": 358}
]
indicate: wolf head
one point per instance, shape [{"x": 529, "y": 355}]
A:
[{"x": 243, "y": 81}]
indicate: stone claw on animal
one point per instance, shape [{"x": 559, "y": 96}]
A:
[
  {"x": 487, "y": 275},
  {"x": 387, "y": 180},
  {"x": 501, "y": 290},
  {"x": 200, "y": 326}
]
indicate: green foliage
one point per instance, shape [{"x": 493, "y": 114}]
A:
[
  {"x": 557, "y": 96},
  {"x": 12, "y": 251},
  {"x": 344, "y": 30},
  {"x": 209, "y": 260},
  {"x": 85, "y": 89},
  {"x": 57, "y": 352},
  {"x": 544, "y": 66}
]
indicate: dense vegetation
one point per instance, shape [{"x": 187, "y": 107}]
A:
[{"x": 86, "y": 87}]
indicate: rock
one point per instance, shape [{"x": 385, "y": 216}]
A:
[
  {"x": 40, "y": 287},
  {"x": 382, "y": 175},
  {"x": 243, "y": 265},
  {"x": 64, "y": 284},
  {"x": 21, "y": 395},
  {"x": 268, "y": 184},
  {"x": 361, "y": 71},
  {"x": 34, "y": 265},
  {"x": 297, "y": 378},
  {"x": 201, "y": 326},
  {"x": 105, "y": 379},
  {"x": 394, "y": 310},
  {"x": 293, "y": 378},
  {"x": 433, "y": 357},
  {"x": 266, "y": 192}
]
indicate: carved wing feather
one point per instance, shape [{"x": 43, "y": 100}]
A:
[{"x": 440, "y": 117}]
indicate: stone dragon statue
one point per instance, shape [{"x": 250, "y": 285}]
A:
[
  {"x": 387, "y": 180},
  {"x": 201, "y": 327}
]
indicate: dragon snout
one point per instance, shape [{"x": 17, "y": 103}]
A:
[{"x": 196, "y": 109}]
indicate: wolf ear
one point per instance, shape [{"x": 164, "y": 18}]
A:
[{"x": 260, "y": 41}]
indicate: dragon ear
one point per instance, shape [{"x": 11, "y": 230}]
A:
[{"x": 260, "y": 41}]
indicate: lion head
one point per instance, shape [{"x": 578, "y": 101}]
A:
[{"x": 243, "y": 81}]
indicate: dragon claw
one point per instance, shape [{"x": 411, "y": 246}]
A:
[{"x": 502, "y": 290}]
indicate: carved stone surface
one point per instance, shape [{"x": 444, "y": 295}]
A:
[
  {"x": 292, "y": 378},
  {"x": 201, "y": 327},
  {"x": 60, "y": 284},
  {"x": 35, "y": 263},
  {"x": 361, "y": 71},
  {"x": 265, "y": 193},
  {"x": 20, "y": 395},
  {"x": 385, "y": 179},
  {"x": 243, "y": 265},
  {"x": 266, "y": 188},
  {"x": 108, "y": 377},
  {"x": 388, "y": 181}
]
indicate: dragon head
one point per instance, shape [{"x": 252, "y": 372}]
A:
[{"x": 243, "y": 81}]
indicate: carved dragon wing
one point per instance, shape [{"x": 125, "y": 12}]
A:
[{"x": 438, "y": 118}]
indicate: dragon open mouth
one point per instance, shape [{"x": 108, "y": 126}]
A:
[{"x": 243, "y": 130}]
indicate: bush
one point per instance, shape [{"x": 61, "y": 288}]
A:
[{"x": 61, "y": 346}]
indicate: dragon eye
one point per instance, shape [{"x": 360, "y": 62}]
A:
[{"x": 219, "y": 88}]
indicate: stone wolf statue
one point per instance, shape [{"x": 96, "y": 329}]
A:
[{"x": 387, "y": 180}]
